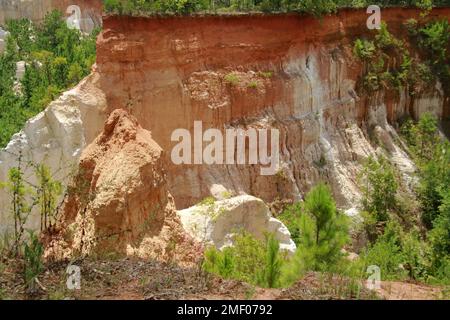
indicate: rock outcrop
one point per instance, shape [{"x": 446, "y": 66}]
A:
[
  {"x": 55, "y": 137},
  {"x": 119, "y": 201},
  {"x": 216, "y": 223}
]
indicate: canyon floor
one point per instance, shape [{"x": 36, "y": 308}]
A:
[{"x": 129, "y": 279}]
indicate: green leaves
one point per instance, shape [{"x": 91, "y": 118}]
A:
[
  {"x": 270, "y": 274},
  {"x": 56, "y": 58},
  {"x": 379, "y": 186},
  {"x": 432, "y": 155},
  {"x": 322, "y": 234},
  {"x": 33, "y": 252},
  {"x": 251, "y": 260},
  {"x": 387, "y": 254},
  {"x": 435, "y": 37},
  {"x": 364, "y": 49}
]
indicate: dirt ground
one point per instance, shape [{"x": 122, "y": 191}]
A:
[{"x": 133, "y": 279}]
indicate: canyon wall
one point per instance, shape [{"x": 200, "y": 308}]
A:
[
  {"x": 294, "y": 73},
  {"x": 170, "y": 72}
]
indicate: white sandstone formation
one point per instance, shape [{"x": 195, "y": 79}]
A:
[
  {"x": 215, "y": 224},
  {"x": 55, "y": 137}
]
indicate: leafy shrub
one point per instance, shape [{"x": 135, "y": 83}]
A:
[
  {"x": 364, "y": 49},
  {"x": 440, "y": 240},
  {"x": 432, "y": 156},
  {"x": 33, "y": 251},
  {"x": 435, "y": 37},
  {"x": 379, "y": 187},
  {"x": 386, "y": 253},
  {"x": 432, "y": 37},
  {"x": 317, "y": 8},
  {"x": 380, "y": 56},
  {"x": 266, "y": 74},
  {"x": 385, "y": 40},
  {"x": 416, "y": 255},
  {"x": 249, "y": 260},
  {"x": 291, "y": 219}
]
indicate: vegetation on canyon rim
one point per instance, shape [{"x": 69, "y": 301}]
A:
[
  {"x": 315, "y": 7},
  {"x": 55, "y": 57},
  {"x": 405, "y": 241},
  {"x": 391, "y": 64}
]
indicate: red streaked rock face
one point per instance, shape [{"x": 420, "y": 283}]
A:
[{"x": 294, "y": 73}]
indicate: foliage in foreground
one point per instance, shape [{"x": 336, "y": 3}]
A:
[
  {"x": 250, "y": 260},
  {"x": 431, "y": 153},
  {"x": 323, "y": 232},
  {"x": 418, "y": 251},
  {"x": 24, "y": 198}
]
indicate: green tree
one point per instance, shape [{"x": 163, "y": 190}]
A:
[
  {"x": 379, "y": 187},
  {"x": 19, "y": 202},
  {"x": 75, "y": 73},
  {"x": 432, "y": 155},
  {"x": 269, "y": 276},
  {"x": 440, "y": 239},
  {"x": 60, "y": 71},
  {"x": 55, "y": 56},
  {"x": 323, "y": 234},
  {"x": 48, "y": 193}
]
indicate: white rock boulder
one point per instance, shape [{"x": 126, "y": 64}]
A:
[
  {"x": 55, "y": 137},
  {"x": 216, "y": 223}
]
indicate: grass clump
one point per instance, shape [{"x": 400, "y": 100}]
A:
[{"x": 232, "y": 79}]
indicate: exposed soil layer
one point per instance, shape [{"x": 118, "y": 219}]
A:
[
  {"x": 288, "y": 72},
  {"x": 119, "y": 200}
]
